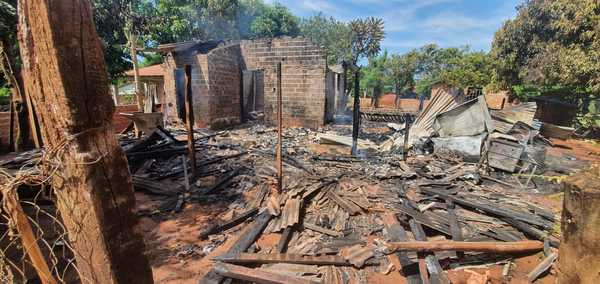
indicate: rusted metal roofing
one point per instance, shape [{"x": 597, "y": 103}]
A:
[
  {"x": 358, "y": 254},
  {"x": 290, "y": 215},
  {"x": 148, "y": 71}
]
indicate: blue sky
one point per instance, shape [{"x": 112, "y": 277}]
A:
[{"x": 412, "y": 23}]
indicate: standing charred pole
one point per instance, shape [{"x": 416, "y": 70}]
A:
[
  {"x": 356, "y": 113},
  {"x": 189, "y": 120},
  {"x": 65, "y": 75},
  {"x": 279, "y": 154},
  {"x": 405, "y": 147}
]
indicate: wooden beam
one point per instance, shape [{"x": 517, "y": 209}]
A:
[
  {"x": 495, "y": 247},
  {"x": 28, "y": 239},
  {"x": 189, "y": 121},
  {"x": 279, "y": 155},
  {"x": 256, "y": 258},
  {"x": 65, "y": 75},
  {"x": 356, "y": 114},
  {"x": 257, "y": 275},
  {"x": 249, "y": 237},
  {"x": 229, "y": 224},
  {"x": 246, "y": 239},
  {"x": 285, "y": 238}
]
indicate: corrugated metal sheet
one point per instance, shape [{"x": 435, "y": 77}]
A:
[
  {"x": 358, "y": 254},
  {"x": 523, "y": 112},
  {"x": 290, "y": 215},
  {"x": 442, "y": 99}
]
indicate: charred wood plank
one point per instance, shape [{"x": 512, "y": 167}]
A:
[
  {"x": 397, "y": 234},
  {"x": 437, "y": 274},
  {"x": 249, "y": 237},
  {"x": 285, "y": 238},
  {"x": 256, "y": 275},
  {"x": 228, "y": 224},
  {"x": 256, "y": 258},
  {"x": 493, "y": 210}
]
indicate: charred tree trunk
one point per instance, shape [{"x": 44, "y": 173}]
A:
[{"x": 65, "y": 75}]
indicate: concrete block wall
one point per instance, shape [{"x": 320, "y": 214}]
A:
[
  {"x": 224, "y": 85},
  {"x": 200, "y": 87},
  {"x": 304, "y": 67}
]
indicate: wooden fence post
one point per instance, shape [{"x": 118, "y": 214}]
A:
[{"x": 65, "y": 76}]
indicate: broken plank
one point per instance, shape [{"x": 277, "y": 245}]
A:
[
  {"x": 542, "y": 267},
  {"x": 228, "y": 224},
  {"x": 285, "y": 239},
  {"x": 436, "y": 272},
  {"x": 322, "y": 230},
  {"x": 346, "y": 205},
  {"x": 245, "y": 240},
  {"x": 397, "y": 234},
  {"x": 249, "y": 237},
  {"x": 255, "y": 258},
  {"x": 527, "y": 218},
  {"x": 257, "y": 275}
]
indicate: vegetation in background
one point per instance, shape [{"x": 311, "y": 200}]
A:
[
  {"x": 550, "y": 43},
  {"x": 335, "y": 36},
  {"x": 551, "y": 47}
]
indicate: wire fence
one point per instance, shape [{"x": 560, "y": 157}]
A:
[{"x": 33, "y": 239}]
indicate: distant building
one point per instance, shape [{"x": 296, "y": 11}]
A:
[{"x": 230, "y": 80}]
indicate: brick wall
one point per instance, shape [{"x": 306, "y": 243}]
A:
[
  {"x": 216, "y": 81},
  {"x": 303, "y": 78},
  {"x": 215, "y": 85},
  {"x": 224, "y": 85}
]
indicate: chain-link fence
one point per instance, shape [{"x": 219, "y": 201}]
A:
[{"x": 33, "y": 240}]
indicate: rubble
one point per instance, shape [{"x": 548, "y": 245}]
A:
[{"x": 348, "y": 216}]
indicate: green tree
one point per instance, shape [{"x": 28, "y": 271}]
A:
[
  {"x": 335, "y": 36},
  {"x": 274, "y": 21},
  {"x": 367, "y": 35},
  {"x": 401, "y": 70},
  {"x": 373, "y": 77},
  {"x": 550, "y": 43},
  {"x": 8, "y": 34}
]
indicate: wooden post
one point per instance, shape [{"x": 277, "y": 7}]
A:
[
  {"x": 65, "y": 75},
  {"x": 279, "y": 162},
  {"x": 19, "y": 126},
  {"x": 28, "y": 239},
  {"x": 406, "y": 134},
  {"x": 356, "y": 113},
  {"x": 579, "y": 253},
  {"x": 189, "y": 121}
]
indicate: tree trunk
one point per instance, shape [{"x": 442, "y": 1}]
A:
[
  {"x": 139, "y": 94},
  {"x": 579, "y": 254},
  {"x": 20, "y": 125},
  {"x": 65, "y": 74}
]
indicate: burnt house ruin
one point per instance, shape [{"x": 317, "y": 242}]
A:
[{"x": 231, "y": 81}]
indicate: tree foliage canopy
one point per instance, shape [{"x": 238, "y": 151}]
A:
[
  {"x": 335, "y": 36},
  {"x": 550, "y": 42}
]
